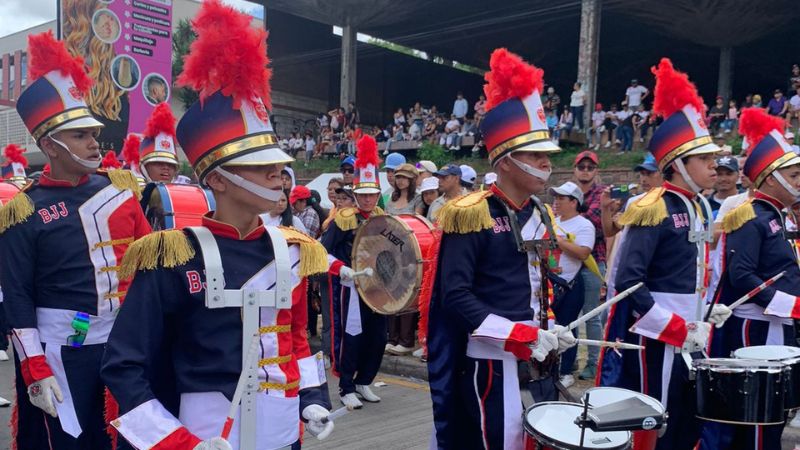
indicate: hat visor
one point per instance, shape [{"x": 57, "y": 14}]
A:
[
  {"x": 163, "y": 159},
  {"x": 703, "y": 150},
  {"x": 83, "y": 122},
  {"x": 647, "y": 167},
  {"x": 559, "y": 191},
  {"x": 789, "y": 163},
  {"x": 263, "y": 157},
  {"x": 366, "y": 190},
  {"x": 541, "y": 146},
  {"x": 405, "y": 174}
]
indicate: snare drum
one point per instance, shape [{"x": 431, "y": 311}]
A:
[
  {"x": 741, "y": 391},
  {"x": 402, "y": 252},
  {"x": 551, "y": 426},
  {"x": 176, "y": 206},
  {"x": 789, "y": 356},
  {"x": 602, "y": 396}
]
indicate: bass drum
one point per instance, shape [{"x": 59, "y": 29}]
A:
[
  {"x": 402, "y": 251},
  {"x": 7, "y": 191},
  {"x": 176, "y": 206}
]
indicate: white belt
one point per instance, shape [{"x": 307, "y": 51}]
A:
[{"x": 55, "y": 326}]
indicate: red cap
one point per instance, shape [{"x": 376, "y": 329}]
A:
[
  {"x": 586, "y": 154},
  {"x": 299, "y": 193}
]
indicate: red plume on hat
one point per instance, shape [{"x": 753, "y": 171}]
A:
[
  {"x": 509, "y": 76},
  {"x": 755, "y": 123},
  {"x": 367, "y": 152},
  {"x": 46, "y": 54},
  {"x": 228, "y": 55},
  {"x": 130, "y": 150},
  {"x": 110, "y": 161},
  {"x": 14, "y": 154},
  {"x": 160, "y": 121},
  {"x": 673, "y": 90}
]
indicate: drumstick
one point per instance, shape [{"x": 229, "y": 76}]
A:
[
  {"x": 336, "y": 414},
  {"x": 237, "y": 394},
  {"x": 365, "y": 273},
  {"x": 614, "y": 345},
  {"x": 755, "y": 291},
  {"x": 577, "y": 322}
]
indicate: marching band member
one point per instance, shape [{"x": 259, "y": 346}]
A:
[
  {"x": 158, "y": 161},
  {"x": 754, "y": 249},
  {"x": 71, "y": 228},
  {"x": 476, "y": 336},
  {"x": 665, "y": 244},
  {"x": 228, "y": 138},
  {"x": 358, "y": 334}
]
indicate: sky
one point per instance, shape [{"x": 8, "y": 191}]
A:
[{"x": 16, "y": 15}]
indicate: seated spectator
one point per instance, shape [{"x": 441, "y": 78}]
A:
[
  {"x": 732, "y": 116},
  {"x": 451, "y": 129},
  {"x": 551, "y": 120},
  {"x": 397, "y": 136},
  {"x": 564, "y": 122},
  {"x": 778, "y": 105},
  {"x": 299, "y": 200},
  {"x": 715, "y": 117},
  {"x": 429, "y": 132},
  {"x": 480, "y": 107},
  {"x": 642, "y": 123},
  {"x": 322, "y": 120},
  {"x": 429, "y": 190},
  {"x": 794, "y": 108},
  {"x": 440, "y": 134},
  {"x": 598, "y": 117},
  {"x": 399, "y": 117}
]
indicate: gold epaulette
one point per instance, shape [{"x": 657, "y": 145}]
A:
[
  {"x": 466, "y": 214},
  {"x": 169, "y": 248},
  {"x": 16, "y": 210},
  {"x": 123, "y": 179},
  {"x": 313, "y": 256},
  {"x": 346, "y": 219},
  {"x": 648, "y": 211},
  {"x": 737, "y": 217}
]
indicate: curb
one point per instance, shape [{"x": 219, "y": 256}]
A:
[{"x": 404, "y": 366}]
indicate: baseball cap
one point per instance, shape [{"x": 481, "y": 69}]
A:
[
  {"x": 586, "y": 154},
  {"x": 393, "y": 160},
  {"x": 299, "y": 193},
  {"x": 348, "y": 161},
  {"x": 429, "y": 184},
  {"x": 649, "y": 164},
  {"x": 450, "y": 169},
  {"x": 728, "y": 162},
  {"x": 427, "y": 166},
  {"x": 347, "y": 190},
  {"x": 468, "y": 174},
  {"x": 490, "y": 178},
  {"x": 568, "y": 189}
]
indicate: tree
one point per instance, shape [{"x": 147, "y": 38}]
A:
[{"x": 182, "y": 39}]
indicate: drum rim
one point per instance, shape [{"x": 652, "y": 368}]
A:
[
  {"x": 732, "y": 422},
  {"x": 554, "y": 442},
  {"x": 789, "y": 360},
  {"x": 417, "y": 254},
  {"x": 713, "y": 363},
  {"x": 614, "y": 388}
]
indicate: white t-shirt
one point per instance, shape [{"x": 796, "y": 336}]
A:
[
  {"x": 635, "y": 95},
  {"x": 794, "y": 102},
  {"x": 584, "y": 234},
  {"x": 453, "y": 125},
  {"x": 622, "y": 115},
  {"x": 598, "y": 117},
  {"x": 276, "y": 221},
  {"x": 297, "y": 144},
  {"x": 310, "y": 145},
  {"x": 730, "y": 203},
  {"x": 577, "y": 98}
]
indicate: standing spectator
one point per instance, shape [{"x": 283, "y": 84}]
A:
[
  {"x": 298, "y": 199},
  {"x": 347, "y": 169},
  {"x": 333, "y": 185},
  {"x": 757, "y": 101},
  {"x": 585, "y": 174},
  {"x": 576, "y": 105},
  {"x": 641, "y": 123},
  {"x": 460, "y": 107},
  {"x": 450, "y": 185},
  {"x": 625, "y": 130},
  {"x": 287, "y": 178},
  {"x": 281, "y": 215},
  {"x": 393, "y": 161},
  {"x": 748, "y": 101},
  {"x": 716, "y": 115},
  {"x": 551, "y": 101},
  {"x": 778, "y": 105},
  {"x": 468, "y": 178},
  {"x": 337, "y": 120},
  {"x": 429, "y": 191},
  {"x": 310, "y": 144},
  {"x": 725, "y": 185},
  {"x": 635, "y": 94},
  {"x": 451, "y": 129},
  {"x": 480, "y": 108},
  {"x": 575, "y": 239},
  {"x": 352, "y": 118},
  {"x": 345, "y": 198},
  {"x": 732, "y": 116},
  {"x": 610, "y": 124},
  {"x": 794, "y": 79},
  {"x": 426, "y": 170},
  {"x": 598, "y": 117}
]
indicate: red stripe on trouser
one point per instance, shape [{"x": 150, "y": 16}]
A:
[
  {"x": 332, "y": 327},
  {"x": 746, "y": 333},
  {"x": 643, "y": 359},
  {"x": 483, "y": 401}
]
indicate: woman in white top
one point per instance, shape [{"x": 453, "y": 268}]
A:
[
  {"x": 281, "y": 215},
  {"x": 575, "y": 238}
]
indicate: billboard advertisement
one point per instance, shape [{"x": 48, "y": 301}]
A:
[{"x": 127, "y": 45}]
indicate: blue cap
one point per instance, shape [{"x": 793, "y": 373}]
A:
[
  {"x": 649, "y": 164},
  {"x": 450, "y": 169},
  {"x": 349, "y": 160},
  {"x": 393, "y": 160}
]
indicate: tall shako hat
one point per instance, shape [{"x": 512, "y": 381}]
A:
[
  {"x": 684, "y": 130},
  {"x": 769, "y": 150},
  {"x": 130, "y": 154},
  {"x": 514, "y": 120},
  {"x": 15, "y": 165},
  {"x": 54, "y": 98},
  {"x": 227, "y": 65},
  {"x": 367, "y": 161},
  {"x": 158, "y": 143}
]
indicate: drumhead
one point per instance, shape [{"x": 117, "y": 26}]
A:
[
  {"x": 602, "y": 396},
  {"x": 736, "y": 365},
  {"x": 554, "y": 422},
  {"x": 768, "y": 352},
  {"x": 388, "y": 246}
]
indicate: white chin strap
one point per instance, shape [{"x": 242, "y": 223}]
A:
[
  {"x": 272, "y": 195},
  {"x": 792, "y": 191},
  {"x": 83, "y": 162},
  {"x": 530, "y": 170},
  {"x": 682, "y": 170}
]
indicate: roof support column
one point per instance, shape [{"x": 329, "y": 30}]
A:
[
  {"x": 725, "y": 80},
  {"x": 588, "y": 54},
  {"x": 347, "y": 90}
]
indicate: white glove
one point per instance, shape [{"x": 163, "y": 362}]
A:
[
  {"x": 566, "y": 339},
  {"x": 719, "y": 314},
  {"x": 314, "y": 415},
  {"x": 545, "y": 343},
  {"x": 42, "y": 392},
  {"x": 346, "y": 273},
  {"x": 215, "y": 443},
  {"x": 697, "y": 336}
]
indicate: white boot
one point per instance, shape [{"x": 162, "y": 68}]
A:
[
  {"x": 4, "y": 402},
  {"x": 351, "y": 401},
  {"x": 366, "y": 393},
  {"x": 3, "y": 355},
  {"x": 795, "y": 423}
]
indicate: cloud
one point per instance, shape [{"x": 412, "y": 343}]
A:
[{"x": 17, "y": 15}]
